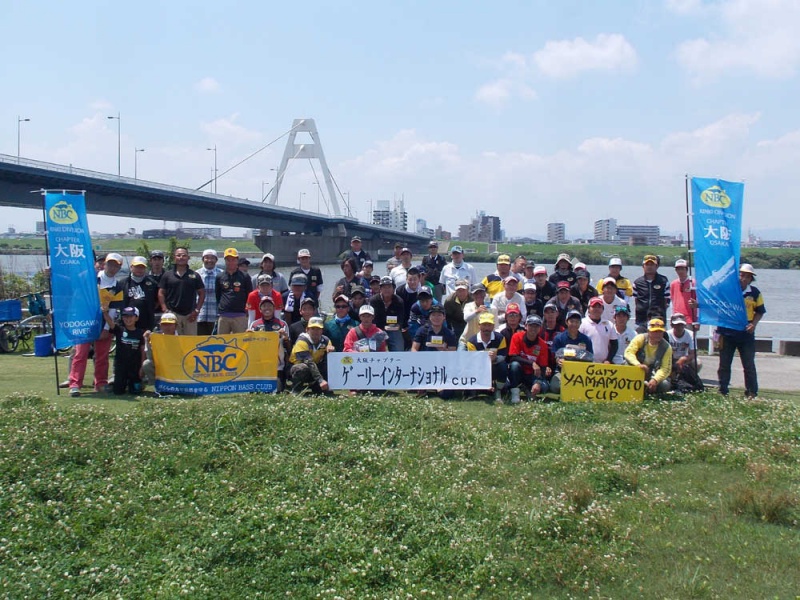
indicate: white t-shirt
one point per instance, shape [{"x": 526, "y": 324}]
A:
[
  {"x": 600, "y": 333},
  {"x": 610, "y": 309},
  {"x": 500, "y": 302},
  {"x": 681, "y": 346},
  {"x": 623, "y": 339}
]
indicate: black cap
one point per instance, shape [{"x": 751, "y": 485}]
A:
[
  {"x": 436, "y": 308},
  {"x": 157, "y": 253},
  {"x": 425, "y": 291}
]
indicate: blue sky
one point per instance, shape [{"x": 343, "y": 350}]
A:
[{"x": 535, "y": 111}]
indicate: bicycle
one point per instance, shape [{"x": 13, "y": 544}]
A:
[{"x": 15, "y": 329}]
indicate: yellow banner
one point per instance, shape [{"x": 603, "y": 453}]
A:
[
  {"x": 217, "y": 364},
  {"x": 592, "y": 382}
]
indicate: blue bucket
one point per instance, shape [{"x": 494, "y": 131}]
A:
[{"x": 43, "y": 345}]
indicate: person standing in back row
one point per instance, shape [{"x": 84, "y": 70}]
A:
[
  {"x": 312, "y": 275},
  {"x": 651, "y": 291},
  {"x": 232, "y": 288},
  {"x": 181, "y": 292},
  {"x": 743, "y": 340}
]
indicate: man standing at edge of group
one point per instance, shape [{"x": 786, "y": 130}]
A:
[
  {"x": 232, "y": 288},
  {"x": 208, "y": 272},
  {"x": 742, "y": 340},
  {"x": 181, "y": 292},
  {"x": 683, "y": 296},
  {"x": 455, "y": 270}
]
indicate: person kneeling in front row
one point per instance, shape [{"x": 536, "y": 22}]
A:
[
  {"x": 653, "y": 354},
  {"x": 308, "y": 359},
  {"x": 168, "y": 326}
]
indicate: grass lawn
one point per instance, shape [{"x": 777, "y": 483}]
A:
[{"x": 394, "y": 496}]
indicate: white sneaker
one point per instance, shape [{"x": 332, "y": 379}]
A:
[
  {"x": 74, "y": 392},
  {"x": 514, "y": 395}
]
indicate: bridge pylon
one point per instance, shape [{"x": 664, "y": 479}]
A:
[{"x": 309, "y": 151}]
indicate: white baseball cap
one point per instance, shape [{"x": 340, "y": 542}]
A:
[{"x": 210, "y": 252}]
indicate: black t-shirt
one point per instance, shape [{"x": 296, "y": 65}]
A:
[
  {"x": 180, "y": 291},
  {"x": 313, "y": 281},
  {"x": 129, "y": 346},
  {"x": 232, "y": 290},
  {"x": 142, "y": 295},
  {"x": 426, "y": 335}
]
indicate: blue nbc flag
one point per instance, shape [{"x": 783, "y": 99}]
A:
[
  {"x": 717, "y": 230},
  {"x": 77, "y": 317}
]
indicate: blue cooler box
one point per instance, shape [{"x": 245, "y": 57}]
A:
[{"x": 10, "y": 310}]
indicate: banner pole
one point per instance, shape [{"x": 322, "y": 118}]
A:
[
  {"x": 50, "y": 290},
  {"x": 695, "y": 314}
]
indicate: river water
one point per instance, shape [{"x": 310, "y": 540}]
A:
[{"x": 781, "y": 288}]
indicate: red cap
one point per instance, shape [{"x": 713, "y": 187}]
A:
[
  {"x": 562, "y": 285},
  {"x": 513, "y": 308},
  {"x": 596, "y": 300}
]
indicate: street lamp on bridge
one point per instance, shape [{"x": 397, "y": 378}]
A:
[
  {"x": 119, "y": 143},
  {"x": 214, "y": 150},
  {"x": 20, "y": 120},
  {"x": 136, "y": 162}
]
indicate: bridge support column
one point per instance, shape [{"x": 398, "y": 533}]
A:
[{"x": 325, "y": 248}]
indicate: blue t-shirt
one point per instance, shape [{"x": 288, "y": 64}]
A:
[
  {"x": 426, "y": 335},
  {"x": 562, "y": 340}
]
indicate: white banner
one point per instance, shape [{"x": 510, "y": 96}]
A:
[{"x": 409, "y": 371}]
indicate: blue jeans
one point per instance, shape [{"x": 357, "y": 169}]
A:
[
  {"x": 746, "y": 344},
  {"x": 395, "y": 341},
  {"x": 516, "y": 378}
]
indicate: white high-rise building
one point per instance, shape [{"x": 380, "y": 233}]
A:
[
  {"x": 556, "y": 233},
  {"x": 392, "y": 217},
  {"x": 605, "y": 230}
]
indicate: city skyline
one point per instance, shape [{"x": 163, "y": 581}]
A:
[{"x": 514, "y": 108}]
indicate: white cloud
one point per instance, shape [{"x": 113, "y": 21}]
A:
[
  {"x": 207, "y": 85},
  {"x": 100, "y": 105},
  {"x": 567, "y": 58},
  {"x": 499, "y": 92},
  {"x": 717, "y": 138},
  {"x": 759, "y": 36},
  {"x": 226, "y": 130}
]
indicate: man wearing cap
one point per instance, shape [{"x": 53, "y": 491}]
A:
[
  {"x": 167, "y": 326},
  {"x": 111, "y": 301},
  {"x": 308, "y": 310},
  {"x": 743, "y": 340},
  {"x": 244, "y": 266},
  {"x": 651, "y": 291},
  {"x": 263, "y": 289},
  {"x": 683, "y": 296},
  {"x": 366, "y": 272},
  {"x": 600, "y": 331},
  {"x": 434, "y": 263},
  {"x": 358, "y": 253},
  {"x": 279, "y": 283},
  {"x": 400, "y": 272},
  {"x": 455, "y": 270},
  {"x": 495, "y": 282},
  {"x": 489, "y": 341},
  {"x": 685, "y": 365},
  {"x": 528, "y": 273},
  {"x": 563, "y": 270},
  {"x": 608, "y": 289},
  {"x": 572, "y": 337},
  {"x": 394, "y": 260},
  {"x": 582, "y": 290},
  {"x": 545, "y": 290},
  {"x": 454, "y": 307},
  {"x": 366, "y": 337},
  {"x": 624, "y": 286},
  {"x": 513, "y": 322},
  {"x": 358, "y": 297},
  {"x": 564, "y": 302},
  {"x": 508, "y": 295},
  {"x": 294, "y": 298},
  {"x": 308, "y": 359},
  {"x": 529, "y": 361},
  {"x": 207, "y": 318},
  {"x": 340, "y": 322},
  {"x": 181, "y": 291},
  {"x": 419, "y": 314},
  {"x": 141, "y": 291},
  {"x": 390, "y": 314},
  {"x": 472, "y": 311},
  {"x": 156, "y": 265},
  {"x": 312, "y": 274},
  {"x": 434, "y": 335},
  {"x": 652, "y": 353},
  {"x": 268, "y": 321},
  {"x": 625, "y": 333},
  {"x": 231, "y": 290}
]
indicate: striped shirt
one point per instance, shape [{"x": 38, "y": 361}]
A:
[{"x": 208, "y": 313}]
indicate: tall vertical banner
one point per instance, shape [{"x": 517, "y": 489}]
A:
[
  {"x": 77, "y": 317},
  {"x": 717, "y": 228}
]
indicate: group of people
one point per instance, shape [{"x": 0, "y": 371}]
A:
[{"x": 528, "y": 320}]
